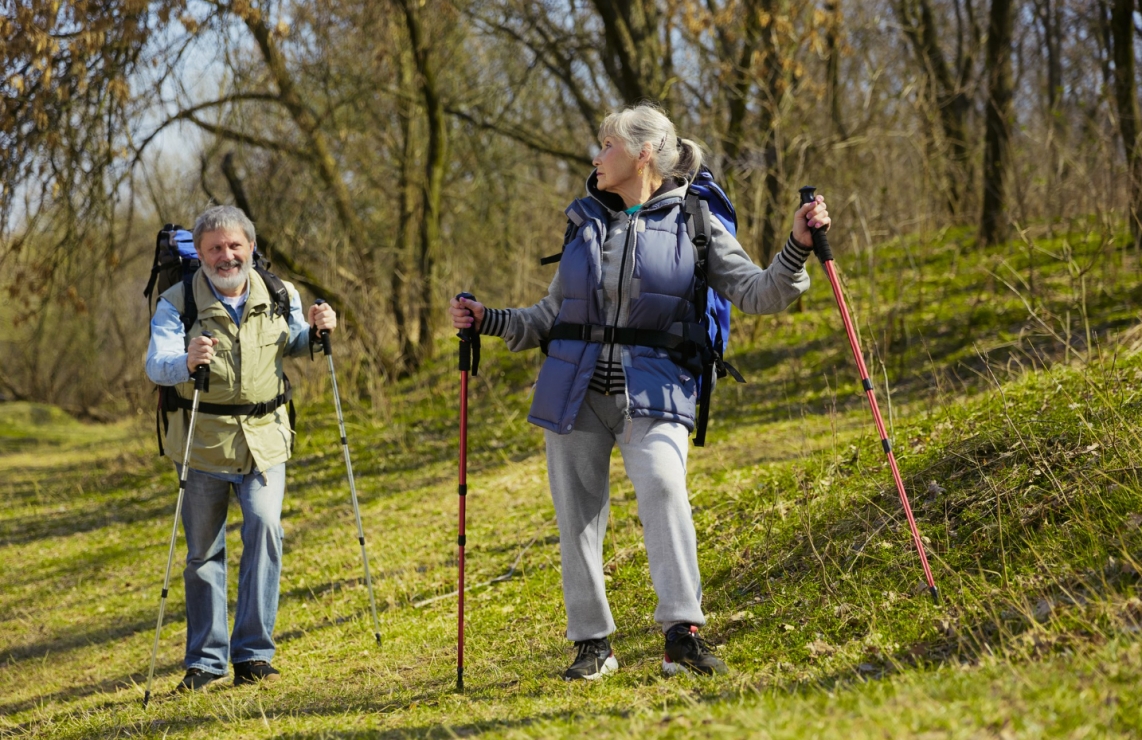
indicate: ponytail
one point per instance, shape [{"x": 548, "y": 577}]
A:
[{"x": 689, "y": 160}]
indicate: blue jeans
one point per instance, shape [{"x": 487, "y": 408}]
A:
[{"x": 204, "y": 521}]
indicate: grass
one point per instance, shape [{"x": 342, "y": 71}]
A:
[{"x": 1014, "y": 390}]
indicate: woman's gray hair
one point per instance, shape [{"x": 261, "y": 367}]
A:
[
  {"x": 645, "y": 126},
  {"x": 222, "y": 217}
]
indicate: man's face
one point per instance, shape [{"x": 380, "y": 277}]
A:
[{"x": 226, "y": 257}]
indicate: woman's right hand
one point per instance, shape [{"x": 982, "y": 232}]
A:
[{"x": 466, "y": 313}]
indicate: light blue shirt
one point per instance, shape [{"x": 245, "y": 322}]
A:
[{"x": 166, "y": 354}]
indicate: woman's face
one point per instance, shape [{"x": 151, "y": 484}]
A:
[{"x": 614, "y": 168}]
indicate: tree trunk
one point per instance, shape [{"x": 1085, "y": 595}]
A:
[
  {"x": 993, "y": 224},
  {"x": 634, "y": 57},
  {"x": 272, "y": 248},
  {"x": 774, "y": 84},
  {"x": 949, "y": 87},
  {"x": 1126, "y": 98},
  {"x": 406, "y": 229},
  {"x": 306, "y": 121},
  {"x": 435, "y": 164},
  {"x": 833, "y": 25}
]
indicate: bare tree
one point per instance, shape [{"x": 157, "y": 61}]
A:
[
  {"x": 949, "y": 80},
  {"x": 993, "y": 224},
  {"x": 1126, "y": 98}
]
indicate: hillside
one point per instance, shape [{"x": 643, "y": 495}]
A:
[{"x": 1012, "y": 380}]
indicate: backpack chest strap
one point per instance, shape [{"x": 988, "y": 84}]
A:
[{"x": 678, "y": 336}]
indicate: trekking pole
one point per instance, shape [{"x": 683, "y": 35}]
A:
[
  {"x": 201, "y": 383},
  {"x": 469, "y": 360},
  {"x": 825, "y": 254},
  {"x": 327, "y": 348}
]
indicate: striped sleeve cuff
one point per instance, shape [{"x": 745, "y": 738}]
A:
[
  {"x": 794, "y": 254},
  {"x": 495, "y": 322}
]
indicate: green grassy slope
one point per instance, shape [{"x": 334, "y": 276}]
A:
[{"x": 1015, "y": 392}]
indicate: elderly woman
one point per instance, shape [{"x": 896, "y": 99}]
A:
[{"x": 629, "y": 262}]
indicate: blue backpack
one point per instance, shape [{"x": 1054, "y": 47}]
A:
[{"x": 703, "y": 199}]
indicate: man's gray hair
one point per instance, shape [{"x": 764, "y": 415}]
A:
[
  {"x": 645, "y": 126},
  {"x": 222, "y": 217}
]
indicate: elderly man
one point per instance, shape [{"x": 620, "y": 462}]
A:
[{"x": 241, "y": 440}]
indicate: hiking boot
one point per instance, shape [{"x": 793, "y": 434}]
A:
[
  {"x": 686, "y": 653},
  {"x": 196, "y": 679},
  {"x": 594, "y": 659},
  {"x": 254, "y": 671}
]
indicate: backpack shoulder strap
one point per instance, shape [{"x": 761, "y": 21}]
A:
[
  {"x": 574, "y": 221},
  {"x": 568, "y": 235},
  {"x": 698, "y": 225},
  {"x": 181, "y": 296},
  {"x": 278, "y": 292},
  {"x": 150, "y": 289}
]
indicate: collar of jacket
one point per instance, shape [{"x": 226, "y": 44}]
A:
[
  {"x": 209, "y": 305},
  {"x": 670, "y": 193}
]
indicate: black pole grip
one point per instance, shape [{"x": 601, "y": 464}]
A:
[
  {"x": 202, "y": 372},
  {"x": 469, "y": 343},
  {"x": 820, "y": 241},
  {"x": 326, "y": 345}
]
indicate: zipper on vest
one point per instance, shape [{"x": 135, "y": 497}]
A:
[
  {"x": 632, "y": 234},
  {"x": 628, "y": 426}
]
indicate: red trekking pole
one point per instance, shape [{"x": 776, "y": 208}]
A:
[
  {"x": 825, "y": 254},
  {"x": 469, "y": 360}
]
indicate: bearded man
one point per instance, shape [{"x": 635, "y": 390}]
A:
[{"x": 242, "y": 440}]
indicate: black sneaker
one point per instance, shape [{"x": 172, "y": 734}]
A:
[
  {"x": 595, "y": 659},
  {"x": 196, "y": 679},
  {"x": 253, "y": 671},
  {"x": 686, "y": 652}
]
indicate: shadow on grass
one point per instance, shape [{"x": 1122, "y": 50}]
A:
[
  {"x": 470, "y": 729},
  {"x": 73, "y": 639},
  {"x": 162, "y": 687}
]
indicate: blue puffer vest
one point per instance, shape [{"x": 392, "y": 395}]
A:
[{"x": 663, "y": 286}]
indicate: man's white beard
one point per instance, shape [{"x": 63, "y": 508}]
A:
[{"x": 228, "y": 283}]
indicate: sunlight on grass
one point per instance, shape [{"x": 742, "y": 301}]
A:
[{"x": 1018, "y": 440}]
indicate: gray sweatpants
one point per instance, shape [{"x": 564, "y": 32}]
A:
[{"x": 578, "y": 468}]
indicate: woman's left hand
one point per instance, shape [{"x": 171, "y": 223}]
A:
[{"x": 811, "y": 215}]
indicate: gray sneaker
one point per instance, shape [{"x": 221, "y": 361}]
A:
[{"x": 593, "y": 660}]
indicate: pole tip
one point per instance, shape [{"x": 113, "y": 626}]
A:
[
  {"x": 146, "y": 699},
  {"x": 459, "y": 680},
  {"x": 378, "y": 636},
  {"x": 935, "y": 595}
]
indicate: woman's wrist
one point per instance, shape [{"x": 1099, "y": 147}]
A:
[{"x": 495, "y": 322}]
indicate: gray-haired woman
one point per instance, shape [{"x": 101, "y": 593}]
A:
[{"x": 630, "y": 263}]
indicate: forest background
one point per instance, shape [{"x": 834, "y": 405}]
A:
[{"x": 393, "y": 153}]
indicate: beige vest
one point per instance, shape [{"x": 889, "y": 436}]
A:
[{"x": 247, "y": 368}]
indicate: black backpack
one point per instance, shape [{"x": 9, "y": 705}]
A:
[{"x": 176, "y": 261}]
